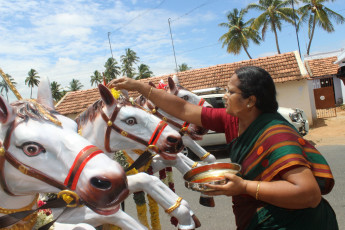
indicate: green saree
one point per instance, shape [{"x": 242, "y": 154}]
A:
[{"x": 268, "y": 148}]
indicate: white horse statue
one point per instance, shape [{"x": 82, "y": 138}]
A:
[
  {"x": 117, "y": 124},
  {"x": 41, "y": 152},
  {"x": 190, "y": 132}
]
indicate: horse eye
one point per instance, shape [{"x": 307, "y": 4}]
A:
[
  {"x": 32, "y": 148},
  {"x": 131, "y": 121},
  {"x": 185, "y": 97}
]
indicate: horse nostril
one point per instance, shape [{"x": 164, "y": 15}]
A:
[
  {"x": 172, "y": 139},
  {"x": 100, "y": 183}
]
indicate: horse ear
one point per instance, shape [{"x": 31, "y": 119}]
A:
[
  {"x": 175, "y": 79},
  {"x": 152, "y": 84},
  {"x": 106, "y": 95},
  {"x": 172, "y": 85},
  {"x": 44, "y": 93},
  {"x": 6, "y": 112},
  {"x": 125, "y": 93}
]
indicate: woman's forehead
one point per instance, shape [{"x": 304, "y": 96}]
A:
[{"x": 234, "y": 81}]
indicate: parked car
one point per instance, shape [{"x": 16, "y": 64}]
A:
[{"x": 213, "y": 141}]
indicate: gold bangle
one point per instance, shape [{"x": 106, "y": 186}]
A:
[
  {"x": 175, "y": 206},
  {"x": 194, "y": 165},
  {"x": 257, "y": 191},
  {"x": 148, "y": 96},
  {"x": 204, "y": 156}
]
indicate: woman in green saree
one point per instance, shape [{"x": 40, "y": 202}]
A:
[{"x": 283, "y": 177}]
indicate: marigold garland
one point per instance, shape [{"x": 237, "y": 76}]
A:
[{"x": 154, "y": 211}]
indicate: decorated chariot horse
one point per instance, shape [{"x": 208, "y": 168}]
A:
[
  {"x": 41, "y": 152},
  {"x": 118, "y": 124},
  {"x": 190, "y": 132}
]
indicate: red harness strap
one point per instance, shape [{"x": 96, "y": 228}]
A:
[{"x": 79, "y": 163}]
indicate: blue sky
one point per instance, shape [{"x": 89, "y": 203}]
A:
[{"x": 67, "y": 39}]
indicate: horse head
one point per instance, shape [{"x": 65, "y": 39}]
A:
[
  {"x": 41, "y": 152},
  {"x": 119, "y": 124},
  {"x": 194, "y": 131}
]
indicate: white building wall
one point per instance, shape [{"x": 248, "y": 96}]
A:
[
  {"x": 297, "y": 94},
  {"x": 338, "y": 90}
]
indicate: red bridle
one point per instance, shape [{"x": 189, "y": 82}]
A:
[
  {"x": 71, "y": 181},
  {"x": 111, "y": 126}
]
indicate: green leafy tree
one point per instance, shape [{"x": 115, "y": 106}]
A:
[
  {"x": 273, "y": 13},
  {"x": 32, "y": 79},
  {"x": 96, "y": 78},
  {"x": 56, "y": 90},
  {"x": 315, "y": 13},
  {"x": 4, "y": 86},
  {"x": 75, "y": 85},
  {"x": 239, "y": 33},
  {"x": 144, "y": 72},
  {"x": 128, "y": 60},
  {"x": 112, "y": 70}
]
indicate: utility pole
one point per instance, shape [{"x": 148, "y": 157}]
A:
[
  {"x": 172, "y": 42},
  {"x": 111, "y": 51}
]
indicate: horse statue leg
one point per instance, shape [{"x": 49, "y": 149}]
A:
[
  {"x": 166, "y": 198},
  {"x": 60, "y": 226},
  {"x": 180, "y": 164},
  {"x": 86, "y": 215},
  {"x": 198, "y": 150}
]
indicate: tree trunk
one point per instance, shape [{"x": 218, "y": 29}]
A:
[
  {"x": 275, "y": 34},
  {"x": 245, "y": 49},
  {"x": 31, "y": 93},
  {"x": 312, "y": 35}
]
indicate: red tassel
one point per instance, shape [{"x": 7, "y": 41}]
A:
[{"x": 104, "y": 80}]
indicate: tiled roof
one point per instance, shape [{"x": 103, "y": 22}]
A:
[
  {"x": 282, "y": 67},
  {"x": 322, "y": 67}
]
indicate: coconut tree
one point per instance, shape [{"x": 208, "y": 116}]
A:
[
  {"x": 317, "y": 14},
  {"x": 56, "y": 90},
  {"x": 32, "y": 79},
  {"x": 96, "y": 78},
  {"x": 273, "y": 13},
  {"x": 4, "y": 85},
  {"x": 183, "y": 67},
  {"x": 75, "y": 85},
  {"x": 144, "y": 72},
  {"x": 239, "y": 33},
  {"x": 111, "y": 69},
  {"x": 128, "y": 60}
]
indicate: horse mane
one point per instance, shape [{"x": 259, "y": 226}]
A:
[
  {"x": 93, "y": 110},
  {"x": 90, "y": 113},
  {"x": 26, "y": 109}
]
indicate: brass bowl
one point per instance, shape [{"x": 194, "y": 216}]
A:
[{"x": 196, "y": 178}]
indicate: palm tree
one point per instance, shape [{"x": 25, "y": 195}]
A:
[
  {"x": 96, "y": 78},
  {"x": 239, "y": 33},
  {"x": 144, "y": 72},
  {"x": 274, "y": 12},
  {"x": 128, "y": 60},
  {"x": 317, "y": 14},
  {"x": 56, "y": 91},
  {"x": 32, "y": 79},
  {"x": 183, "y": 67},
  {"x": 75, "y": 85},
  {"x": 111, "y": 69},
  {"x": 4, "y": 85}
]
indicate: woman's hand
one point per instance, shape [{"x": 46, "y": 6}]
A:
[
  {"x": 125, "y": 83},
  {"x": 235, "y": 186}
]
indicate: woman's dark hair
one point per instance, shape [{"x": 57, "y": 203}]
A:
[{"x": 258, "y": 82}]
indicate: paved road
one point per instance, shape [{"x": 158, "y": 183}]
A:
[{"x": 221, "y": 216}]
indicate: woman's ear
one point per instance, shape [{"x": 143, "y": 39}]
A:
[{"x": 251, "y": 101}]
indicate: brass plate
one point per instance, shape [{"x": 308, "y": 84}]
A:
[{"x": 196, "y": 178}]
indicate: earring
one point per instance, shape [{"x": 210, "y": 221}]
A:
[{"x": 248, "y": 106}]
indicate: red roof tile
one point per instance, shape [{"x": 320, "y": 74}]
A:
[
  {"x": 282, "y": 67},
  {"x": 322, "y": 67}
]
